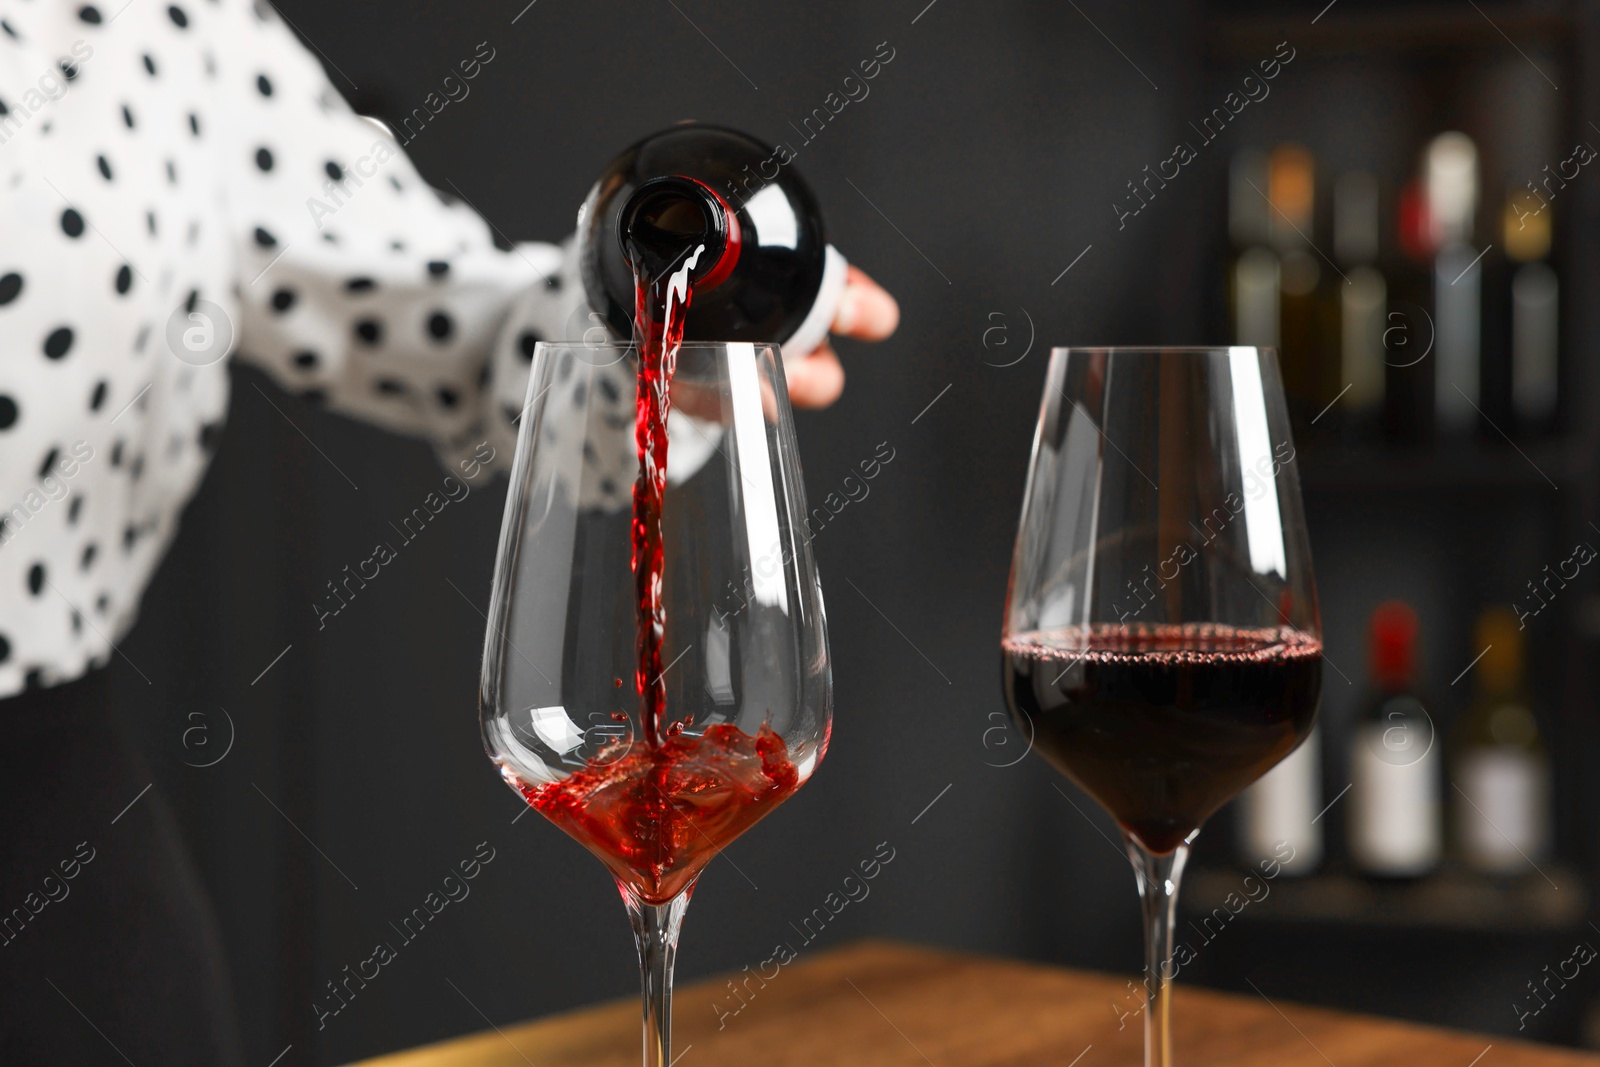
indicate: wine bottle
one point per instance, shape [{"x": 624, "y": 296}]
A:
[
  {"x": 1281, "y": 808},
  {"x": 1291, "y": 188},
  {"x": 1273, "y": 301},
  {"x": 1451, "y": 180},
  {"x": 1409, "y": 333},
  {"x": 1535, "y": 321},
  {"x": 1394, "y": 759},
  {"x": 1498, "y": 760},
  {"x": 768, "y": 272},
  {"x": 1363, "y": 299},
  {"x": 1253, "y": 277}
]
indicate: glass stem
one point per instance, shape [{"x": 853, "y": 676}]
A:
[
  {"x": 1158, "y": 893},
  {"x": 655, "y": 931}
]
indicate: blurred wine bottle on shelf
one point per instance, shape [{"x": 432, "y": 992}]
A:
[
  {"x": 1273, "y": 286},
  {"x": 1253, "y": 274},
  {"x": 1451, "y": 188},
  {"x": 1281, "y": 809},
  {"x": 1535, "y": 334},
  {"x": 1499, "y": 762},
  {"x": 1306, "y": 290},
  {"x": 1409, "y": 331},
  {"x": 1363, "y": 301},
  {"x": 1410, "y": 336},
  {"x": 1395, "y": 780}
]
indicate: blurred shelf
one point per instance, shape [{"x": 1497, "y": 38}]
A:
[
  {"x": 1451, "y": 900},
  {"x": 1346, "y": 27},
  {"x": 1463, "y": 466}
]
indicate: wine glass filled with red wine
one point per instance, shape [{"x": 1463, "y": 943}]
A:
[
  {"x": 656, "y": 675},
  {"x": 1162, "y": 646}
]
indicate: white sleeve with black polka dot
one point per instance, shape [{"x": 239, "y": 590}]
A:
[
  {"x": 360, "y": 283},
  {"x": 179, "y": 181}
]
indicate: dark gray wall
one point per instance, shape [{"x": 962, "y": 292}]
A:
[{"x": 995, "y": 141}]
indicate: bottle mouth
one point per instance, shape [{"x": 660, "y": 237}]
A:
[{"x": 670, "y": 216}]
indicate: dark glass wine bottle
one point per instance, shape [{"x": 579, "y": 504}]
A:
[
  {"x": 1394, "y": 759},
  {"x": 1409, "y": 332},
  {"x": 767, "y": 272}
]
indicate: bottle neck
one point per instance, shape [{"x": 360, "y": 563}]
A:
[
  {"x": 1497, "y": 687},
  {"x": 1394, "y": 682},
  {"x": 1500, "y": 671}
]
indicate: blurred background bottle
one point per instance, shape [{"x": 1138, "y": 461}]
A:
[
  {"x": 1409, "y": 334},
  {"x": 1450, "y": 184},
  {"x": 1308, "y": 315},
  {"x": 1394, "y": 759},
  {"x": 1253, "y": 293},
  {"x": 1535, "y": 331},
  {"x": 1498, "y": 760},
  {"x": 1363, "y": 300},
  {"x": 1281, "y": 808}
]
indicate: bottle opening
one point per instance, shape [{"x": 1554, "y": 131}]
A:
[{"x": 667, "y": 219}]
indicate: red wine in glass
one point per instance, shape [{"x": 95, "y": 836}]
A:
[
  {"x": 1162, "y": 646},
  {"x": 1164, "y": 724}
]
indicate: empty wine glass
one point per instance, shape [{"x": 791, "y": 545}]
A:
[
  {"x": 1162, "y": 646},
  {"x": 744, "y": 651}
]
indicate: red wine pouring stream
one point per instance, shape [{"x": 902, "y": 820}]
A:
[{"x": 676, "y": 233}]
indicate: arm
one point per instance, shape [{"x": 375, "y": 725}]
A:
[
  {"x": 365, "y": 287},
  {"x": 358, "y": 283}
]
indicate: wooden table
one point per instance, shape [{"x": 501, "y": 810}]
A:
[{"x": 891, "y": 1005}]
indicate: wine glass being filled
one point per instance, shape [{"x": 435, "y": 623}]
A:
[{"x": 656, "y": 693}]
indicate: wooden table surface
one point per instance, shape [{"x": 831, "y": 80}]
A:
[{"x": 892, "y": 1005}]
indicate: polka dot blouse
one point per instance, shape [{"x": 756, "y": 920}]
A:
[{"x": 180, "y": 185}]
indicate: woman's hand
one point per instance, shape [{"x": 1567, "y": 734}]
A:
[{"x": 866, "y": 311}]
